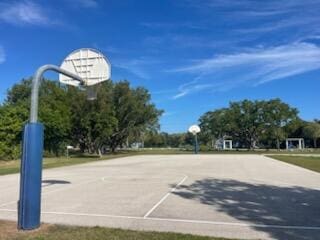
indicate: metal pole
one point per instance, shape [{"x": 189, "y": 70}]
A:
[
  {"x": 195, "y": 144},
  {"x": 29, "y": 205},
  {"x": 36, "y": 81}
]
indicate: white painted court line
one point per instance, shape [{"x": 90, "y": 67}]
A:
[
  {"x": 79, "y": 214},
  {"x": 164, "y": 197},
  {"x": 234, "y": 224},
  {"x": 178, "y": 220}
]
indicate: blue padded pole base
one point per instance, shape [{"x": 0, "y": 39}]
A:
[{"x": 29, "y": 205}]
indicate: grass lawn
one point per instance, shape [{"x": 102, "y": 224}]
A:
[
  {"x": 59, "y": 232},
  {"x": 309, "y": 162},
  {"x": 8, "y": 167}
]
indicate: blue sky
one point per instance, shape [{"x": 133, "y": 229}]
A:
[{"x": 193, "y": 56}]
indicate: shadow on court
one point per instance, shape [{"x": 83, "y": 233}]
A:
[
  {"x": 47, "y": 183},
  {"x": 261, "y": 204}
]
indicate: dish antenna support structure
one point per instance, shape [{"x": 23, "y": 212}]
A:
[
  {"x": 85, "y": 68},
  {"x": 195, "y": 129}
]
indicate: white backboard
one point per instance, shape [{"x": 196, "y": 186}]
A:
[
  {"x": 91, "y": 65},
  {"x": 194, "y": 129}
]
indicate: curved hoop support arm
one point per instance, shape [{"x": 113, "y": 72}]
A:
[{"x": 36, "y": 81}]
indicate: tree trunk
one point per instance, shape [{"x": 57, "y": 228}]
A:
[
  {"x": 315, "y": 143},
  {"x": 99, "y": 152},
  {"x": 113, "y": 149},
  {"x": 278, "y": 144},
  {"x": 113, "y": 146},
  {"x": 252, "y": 144}
]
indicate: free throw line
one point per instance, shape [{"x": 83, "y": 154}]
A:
[{"x": 164, "y": 197}]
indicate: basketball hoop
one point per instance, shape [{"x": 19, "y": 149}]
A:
[
  {"x": 85, "y": 67},
  {"x": 194, "y": 129},
  {"x": 89, "y": 64}
]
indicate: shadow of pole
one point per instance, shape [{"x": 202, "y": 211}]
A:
[{"x": 46, "y": 183}]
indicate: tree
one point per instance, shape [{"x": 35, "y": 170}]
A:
[
  {"x": 12, "y": 119},
  {"x": 312, "y": 130},
  {"x": 68, "y": 117},
  {"x": 54, "y": 111},
  {"x": 214, "y": 125},
  {"x": 155, "y": 139},
  {"x": 247, "y": 121},
  {"x": 134, "y": 112},
  {"x": 251, "y": 122},
  {"x": 20, "y": 92},
  {"x": 93, "y": 122},
  {"x": 277, "y": 116}
]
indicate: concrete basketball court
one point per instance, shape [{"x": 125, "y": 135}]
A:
[{"x": 234, "y": 196}]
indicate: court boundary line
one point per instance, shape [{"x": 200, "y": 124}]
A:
[
  {"x": 297, "y": 227},
  {"x": 165, "y": 197}
]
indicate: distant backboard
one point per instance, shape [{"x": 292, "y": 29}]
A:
[
  {"x": 194, "y": 129},
  {"x": 91, "y": 65}
]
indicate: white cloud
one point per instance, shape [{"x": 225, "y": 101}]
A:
[
  {"x": 167, "y": 114},
  {"x": 23, "y": 12},
  {"x": 173, "y": 25},
  {"x": 141, "y": 67},
  {"x": 179, "y": 40},
  {"x": 84, "y": 3},
  {"x": 163, "y": 91},
  {"x": 303, "y": 25},
  {"x": 2, "y": 55},
  {"x": 263, "y": 64},
  {"x": 191, "y": 87},
  {"x": 298, "y": 18},
  {"x": 255, "y": 8},
  {"x": 253, "y": 67},
  {"x": 133, "y": 66}
]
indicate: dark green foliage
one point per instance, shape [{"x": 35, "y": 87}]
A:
[
  {"x": 134, "y": 113},
  {"x": 12, "y": 119},
  {"x": 312, "y": 130},
  {"x": 164, "y": 140},
  {"x": 54, "y": 113},
  {"x": 92, "y": 121},
  {"x": 19, "y": 92},
  {"x": 251, "y": 124},
  {"x": 69, "y": 118}
]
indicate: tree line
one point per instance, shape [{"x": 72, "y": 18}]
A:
[
  {"x": 122, "y": 115},
  {"x": 257, "y": 124},
  {"x": 119, "y": 112},
  {"x": 250, "y": 124}
]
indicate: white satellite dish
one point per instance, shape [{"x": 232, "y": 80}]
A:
[
  {"x": 89, "y": 64},
  {"x": 194, "y": 129}
]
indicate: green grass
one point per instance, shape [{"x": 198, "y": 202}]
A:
[
  {"x": 9, "y": 167},
  {"x": 233, "y": 151},
  {"x": 309, "y": 162},
  {"x": 59, "y": 232}
]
